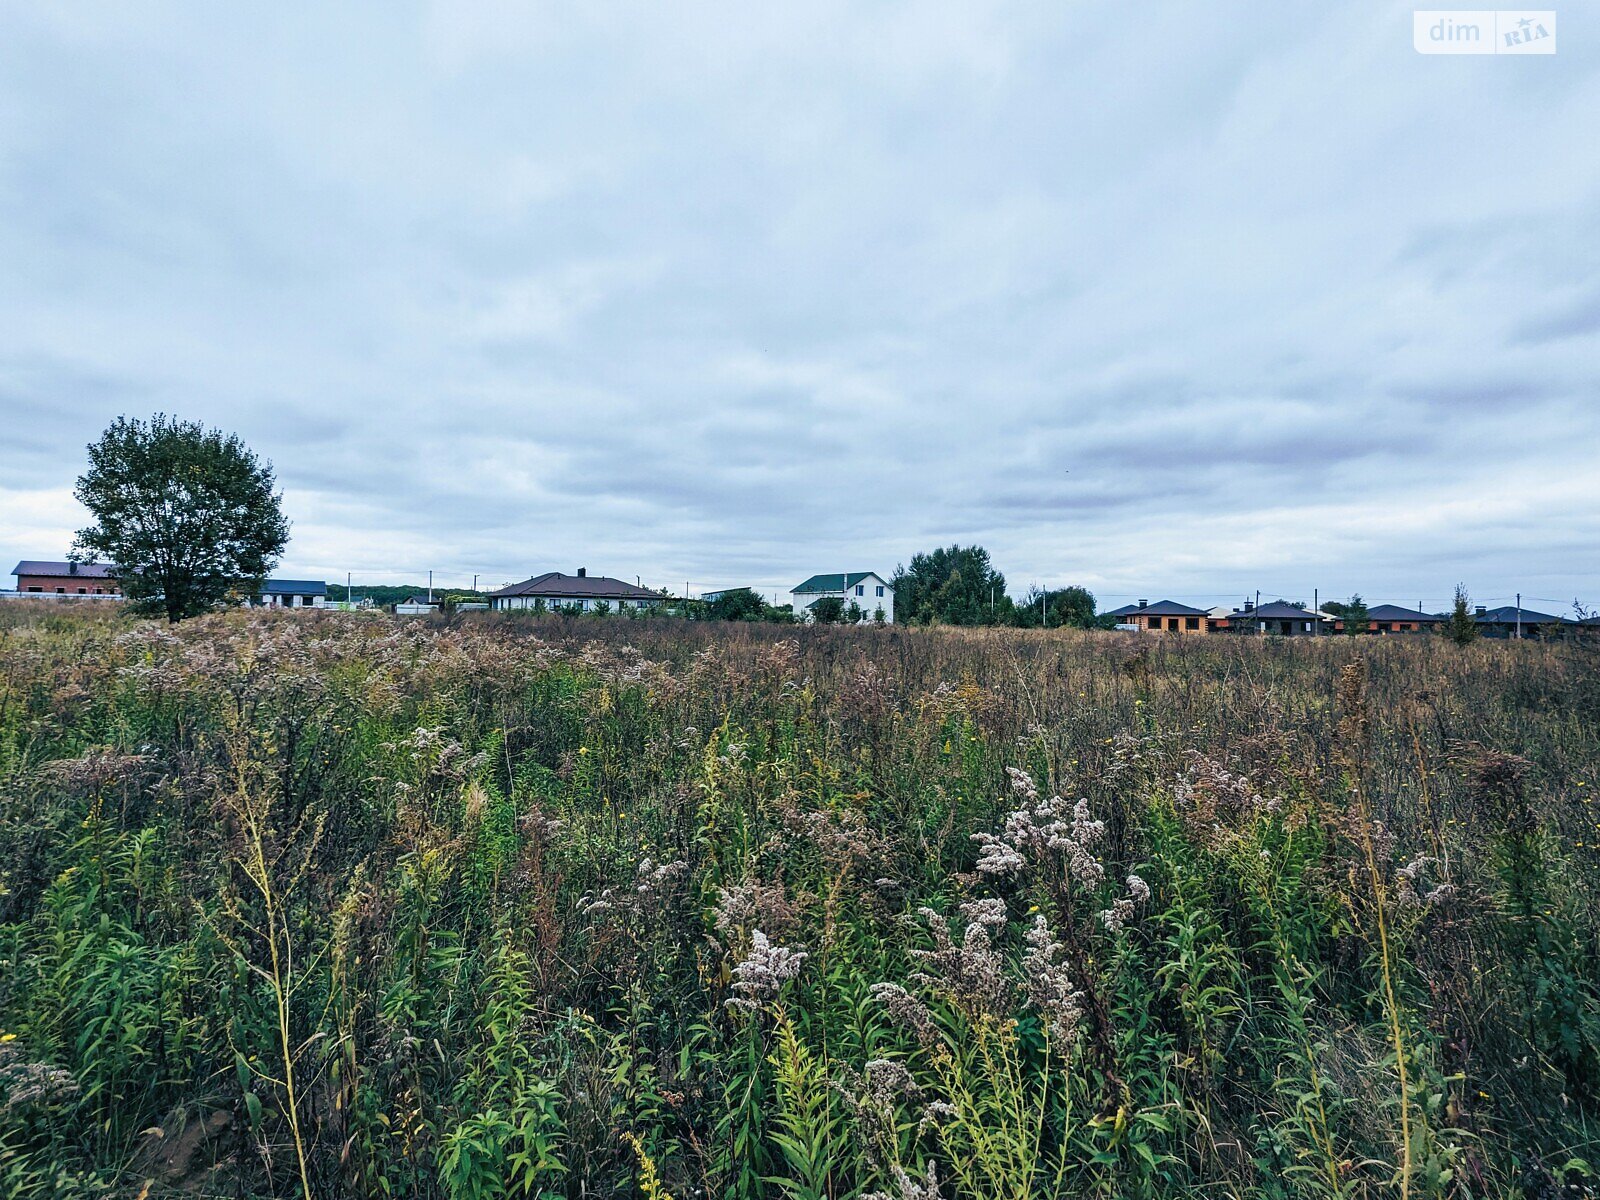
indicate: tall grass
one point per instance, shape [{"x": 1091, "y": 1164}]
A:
[{"x": 323, "y": 905}]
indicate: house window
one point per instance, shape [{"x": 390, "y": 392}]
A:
[
  {"x": 880, "y": 590},
  {"x": 1191, "y": 622},
  {"x": 36, "y": 589},
  {"x": 83, "y": 591},
  {"x": 861, "y": 589},
  {"x": 61, "y": 591}
]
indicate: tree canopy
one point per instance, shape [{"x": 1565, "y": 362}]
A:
[
  {"x": 186, "y": 515},
  {"x": 954, "y": 585},
  {"x": 1068, "y": 607},
  {"x": 828, "y": 611}
]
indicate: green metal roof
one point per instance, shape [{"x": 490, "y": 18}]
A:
[{"x": 834, "y": 583}]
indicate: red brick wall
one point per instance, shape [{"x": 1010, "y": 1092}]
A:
[{"x": 71, "y": 584}]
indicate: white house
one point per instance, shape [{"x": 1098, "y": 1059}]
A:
[
  {"x": 416, "y": 606},
  {"x": 580, "y": 592},
  {"x": 293, "y": 593},
  {"x": 866, "y": 588}
]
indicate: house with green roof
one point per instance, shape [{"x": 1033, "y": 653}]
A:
[{"x": 865, "y": 588}]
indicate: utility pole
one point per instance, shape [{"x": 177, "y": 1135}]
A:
[
  {"x": 430, "y": 587},
  {"x": 1519, "y": 616},
  {"x": 347, "y": 587},
  {"x": 474, "y": 581},
  {"x": 1316, "y": 607},
  {"x": 1044, "y": 613}
]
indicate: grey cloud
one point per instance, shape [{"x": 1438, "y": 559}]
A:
[{"x": 695, "y": 292}]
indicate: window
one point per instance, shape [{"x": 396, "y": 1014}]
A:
[
  {"x": 83, "y": 591},
  {"x": 61, "y": 591},
  {"x": 1191, "y": 622},
  {"x": 861, "y": 589},
  {"x": 36, "y": 589},
  {"x": 880, "y": 589}
]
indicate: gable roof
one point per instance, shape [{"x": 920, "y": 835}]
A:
[
  {"x": 1393, "y": 612},
  {"x": 295, "y": 587},
  {"x": 554, "y": 585},
  {"x": 419, "y": 600},
  {"x": 1161, "y": 608},
  {"x": 1507, "y": 615},
  {"x": 92, "y": 570},
  {"x": 839, "y": 582}
]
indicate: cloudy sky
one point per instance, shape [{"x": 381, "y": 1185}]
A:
[{"x": 1170, "y": 300}]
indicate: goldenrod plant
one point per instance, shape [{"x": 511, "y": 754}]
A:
[{"x": 511, "y": 905}]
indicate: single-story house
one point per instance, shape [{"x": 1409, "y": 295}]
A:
[
  {"x": 416, "y": 606},
  {"x": 582, "y": 591},
  {"x": 292, "y": 593},
  {"x": 1392, "y": 618},
  {"x": 866, "y": 588},
  {"x": 36, "y": 577},
  {"x": 1506, "y": 621},
  {"x": 1280, "y": 617},
  {"x": 1164, "y": 616}
]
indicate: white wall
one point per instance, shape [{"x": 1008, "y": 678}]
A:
[
  {"x": 553, "y": 602},
  {"x": 869, "y": 600}
]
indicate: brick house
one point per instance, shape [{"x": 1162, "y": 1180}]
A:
[
  {"x": 1392, "y": 618},
  {"x": 1164, "y": 616},
  {"x": 65, "y": 578}
]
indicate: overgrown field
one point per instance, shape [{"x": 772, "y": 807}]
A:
[{"x": 356, "y": 907}]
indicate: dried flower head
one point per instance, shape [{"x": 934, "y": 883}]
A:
[
  {"x": 1048, "y": 981},
  {"x": 764, "y": 971}
]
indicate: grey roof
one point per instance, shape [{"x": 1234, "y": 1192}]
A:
[
  {"x": 32, "y": 566},
  {"x": 418, "y": 599},
  {"x": 838, "y": 582},
  {"x": 1507, "y": 615},
  {"x": 1278, "y": 610},
  {"x": 1393, "y": 612},
  {"x": 1161, "y": 608},
  {"x": 294, "y": 587},
  {"x": 553, "y": 585}
]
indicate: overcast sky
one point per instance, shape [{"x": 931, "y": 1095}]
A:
[{"x": 1169, "y": 300}]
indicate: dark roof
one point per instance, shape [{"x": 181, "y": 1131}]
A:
[
  {"x": 294, "y": 587},
  {"x": 1393, "y": 612},
  {"x": 1507, "y": 615},
  {"x": 838, "y": 582},
  {"x": 1161, "y": 608},
  {"x": 30, "y": 566},
  {"x": 1278, "y": 610},
  {"x": 554, "y": 585}
]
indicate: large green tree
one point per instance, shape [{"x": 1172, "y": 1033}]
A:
[
  {"x": 187, "y": 515},
  {"x": 953, "y": 585},
  {"x": 1068, "y": 607}
]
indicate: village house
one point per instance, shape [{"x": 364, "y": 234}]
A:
[
  {"x": 416, "y": 606},
  {"x": 39, "y": 578},
  {"x": 1164, "y": 616},
  {"x": 867, "y": 589},
  {"x": 292, "y": 593},
  {"x": 581, "y": 592},
  {"x": 1280, "y": 618},
  {"x": 1509, "y": 621},
  {"x": 1392, "y": 618}
]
